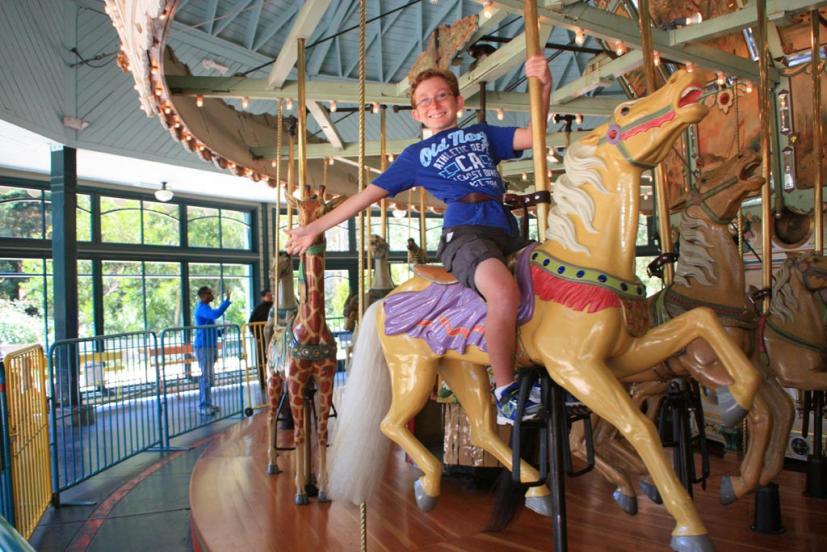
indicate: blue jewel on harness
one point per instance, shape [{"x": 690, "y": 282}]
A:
[
  {"x": 561, "y": 269},
  {"x": 534, "y": 256},
  {"x": 602, "y": 278},
  {"x": 580, "y": 273},
  {"x": 624, "y": 286},
  {"x": 545, "y": 262}
]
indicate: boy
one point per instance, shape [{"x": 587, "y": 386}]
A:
[
  {"x": 206, "y": 346},
  {"x": 459, "y": 166}
]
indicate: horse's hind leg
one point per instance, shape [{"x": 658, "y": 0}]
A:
[
  {"x": 470, "y": 384},
  {"x": 759, "y": 424},
  {"x": 783, "y": 412},
  {"x": 412, "y": 379},
  {"x": 325, "y": 371},
  {"x": 274, "y": 392}
]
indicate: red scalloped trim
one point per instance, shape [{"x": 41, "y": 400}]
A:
[{"x": 576, "y": 296}]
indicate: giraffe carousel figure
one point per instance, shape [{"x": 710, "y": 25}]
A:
[
  {"x": 583, "y": 316},
  {"x": 310, "y": 354}
]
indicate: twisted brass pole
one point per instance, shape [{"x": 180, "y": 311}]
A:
[
  {"x": 764, "y": 115},
  {"x": 361, "y": 219},
  {"x": 538, "y": 121},
  {"x": 818, "y": 200},
  {"x": 277, "y": 240}
]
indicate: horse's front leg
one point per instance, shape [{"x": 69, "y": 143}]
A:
[
  {"x": 667, "y": 339},
  {"x": 469, "y": 382},
  {"x": 274, "y": 392}
]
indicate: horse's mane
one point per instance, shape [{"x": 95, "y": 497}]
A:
[
  {"x": 695, "y": 260},
  {"x": 784, "y": 302},
  {"x": 570, "y": 200}
]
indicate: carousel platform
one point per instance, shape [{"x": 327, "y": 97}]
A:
[{"x": 237, "y": 506}]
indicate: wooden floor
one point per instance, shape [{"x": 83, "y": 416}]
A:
[{"x": 236, "y": 506}]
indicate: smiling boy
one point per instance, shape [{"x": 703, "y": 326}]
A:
[{"x": 459, "y": 166}]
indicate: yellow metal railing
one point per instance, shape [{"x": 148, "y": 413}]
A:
[
  {"x": 254, "y": 341},
  {"x": 29, "y": 436}
]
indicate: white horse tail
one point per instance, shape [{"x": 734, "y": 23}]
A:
[{"x": 360, "y": 450}]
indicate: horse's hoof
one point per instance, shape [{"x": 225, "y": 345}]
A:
[
  {"x": 731, "y": 412},
  {"x": 627, "y": 503},
  {"x": 301, "y": 500},
  {"x": 425, "y": 501},
  {"x": 539, "y": 504},
  {"x": 322, "y": 497},
  {"x": 651, "y": 491},
  {"x": 728, "y": 495},
  {"x": 273, "y": 469},
  {"x": 692, "y": 543}
]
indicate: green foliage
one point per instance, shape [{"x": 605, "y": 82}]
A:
[
  {"x": 120, "y": 220},
  {"x": 20, "y": 322}
]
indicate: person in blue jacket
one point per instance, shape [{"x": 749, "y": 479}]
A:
[{"x": 206, "y": 345}]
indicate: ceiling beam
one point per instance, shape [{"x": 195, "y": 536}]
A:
[
  {"x": 737, "y": 20},
  {"x": 322, "y": 117},
  {"x": 322, "y": 151},
  {"x": 306, "y": 21},
  {"x": 228, "y": 17},
  {"x": 601, "y": 77},
  {"x": 499, "y": 63},
  {"x": 348, "y": 92},
  {"x": 607, "y": 26}
]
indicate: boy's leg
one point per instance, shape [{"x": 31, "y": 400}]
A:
[{"x": 502, "y": 296}]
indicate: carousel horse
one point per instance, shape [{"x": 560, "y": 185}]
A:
[
  {"x": 583, "y": 317},
  {"x": 709, "y": 273},
  {"x": 381, "y": 285},
  {"x": 281, "y": 271},
  {"x": 416, "y": 255},
  {"x": 311, "y": 351}
]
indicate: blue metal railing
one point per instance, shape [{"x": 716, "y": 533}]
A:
[{"x": 6, "y": 493}]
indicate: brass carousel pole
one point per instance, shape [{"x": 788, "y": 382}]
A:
[
  {"x": 383, "y": 165},
  {"x": 369, "y": 233},
  {"x": 422, "y": 210},
  {"x": 817, "y": 130},
  {"x": 290, "y": 170},
  {"x": 363, "y": 508},
  {"x": 538, "y": 122},
  {"x": 662, "y": 201},
  {"x": 301, "y": 108},
  {"x": 764, "y": 115},
  {"x": 277, "y": 241}
]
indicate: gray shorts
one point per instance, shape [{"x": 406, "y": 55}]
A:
[{"x": 463, "y": 248}]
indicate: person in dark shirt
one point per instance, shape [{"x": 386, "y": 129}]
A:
[
  {"x": 459, "y": 166},
  {"x": 206, "y": 345},
  {"x": 260, "y": 314}
]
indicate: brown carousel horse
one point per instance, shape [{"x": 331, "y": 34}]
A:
[
  {"x": 311, "y": 352},
  {"x": 583, "y": 318}
]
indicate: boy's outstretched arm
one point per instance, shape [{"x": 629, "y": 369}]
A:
[
  {"x": 535, "y": 66},
  {"x": 301, "y": 238}
]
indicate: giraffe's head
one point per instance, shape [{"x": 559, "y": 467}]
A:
[{"x": 314, "y": 205}]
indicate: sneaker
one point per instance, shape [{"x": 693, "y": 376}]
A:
[
  {"x": 215, "y": 409},
  {"x": 507, "y": 404},
  {"x": 206, "y": 411}
]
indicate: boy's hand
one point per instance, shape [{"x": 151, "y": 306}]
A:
[
  {"x": 227, "y": 295},
  {"x": 537, "y": 66},
  {"x": 299, "y": 240}
]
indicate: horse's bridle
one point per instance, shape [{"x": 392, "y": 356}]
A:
[
  {"x": 699, "y": 199},
  {"x": 617, "y": 135}
]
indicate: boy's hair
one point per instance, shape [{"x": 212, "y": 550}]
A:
[
  {"x": 202, "y": 291},
  {"x": 449, "y": 78}
]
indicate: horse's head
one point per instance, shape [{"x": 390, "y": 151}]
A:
[
  {"x": 313, "y": 206},
  {"x": 349, "y": 310},
  {"x": 641, "y": 132},
  {"x": 284, "y": 265},
  {"x": 378, "y": 247},
  {"x": 718, "y": 194},
  {"x": 813, "y": 269}
]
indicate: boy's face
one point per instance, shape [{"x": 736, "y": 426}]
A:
[{"x": 436, "y": 107}]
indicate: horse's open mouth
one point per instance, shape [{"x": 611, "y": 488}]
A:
[
  {"x": 749, "y": 170},
  {"x": 689, "y": 96}
]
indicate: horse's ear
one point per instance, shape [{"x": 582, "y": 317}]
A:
[{"x": 591, "y": 140}]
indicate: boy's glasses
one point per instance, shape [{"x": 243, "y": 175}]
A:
[{"x": 440, "y": 97}]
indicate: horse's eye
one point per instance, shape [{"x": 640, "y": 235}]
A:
[{"x": 624, "y": 110}]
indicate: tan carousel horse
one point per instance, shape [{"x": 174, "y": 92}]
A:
[
  {"x": 709, "y": 273},
  {"x": 586, "y": 324},
  {"x": 282, "y": 269},
  {"x": 311, "y": 352}
]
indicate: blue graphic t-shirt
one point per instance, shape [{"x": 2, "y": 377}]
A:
[{"x": 454, "y": 163}]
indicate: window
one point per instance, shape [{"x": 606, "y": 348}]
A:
[
  {"x": 22, "y": 300},
  {"x": 337, "y": 238},
  {"x": 203, "y": 226},
  {"x": 399, "y": 230},
  {"x": 163, "y": 295},
  {"x": 433, "y": 232},
  {"x": 235, "y": 229},
  {"x": 235, "y": 278},
  {"x": 120, "y": 220},
  {"x": 83, "y": 215},
  {"x": 336, "y": 292},
  {"x": 160, "y": 223},
  {"x": 123, "y": 297},
  {"x": 21, "y": 210}
]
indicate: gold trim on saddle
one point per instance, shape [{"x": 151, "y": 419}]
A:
[{"x": 573, "y": 273}]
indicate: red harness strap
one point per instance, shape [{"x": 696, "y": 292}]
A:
[{"x": 574, "y": 295}]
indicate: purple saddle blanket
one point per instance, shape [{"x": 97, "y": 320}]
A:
[{"x": 452, "y": 316}]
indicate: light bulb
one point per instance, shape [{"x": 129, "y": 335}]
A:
[
  {"x": 694, "y": 19},
  {"x": 391, "y": 158},
  {"x": 748, "y": 87},
  {"x": 578, "y": 118},
  {"x": 399, "y": 214},
  {"x": 690, "y": 67},
  {"x": 434, "y": 2},
  {"x": 163, "y": 194},
  {"x": 245, "y": 102},
  {"x": 656, "y": 58},
  {"x": 579, "y": 37},
  {"x": 375, "y": 107},
  {"x": 199, "y": 101},
  {"x": 620, "y": 48},
  {"x": 488, "y": 9},
  {"x": 500, "y": 114},
  {"x": 332, "y": 106},
  {"x": 273, "y": 164},
  {"x": 288, "y": 104},
  {"x": 721, "y": 78},
  {"x": 524, "y": 176},
  {"x": 330, "y": 161}
]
